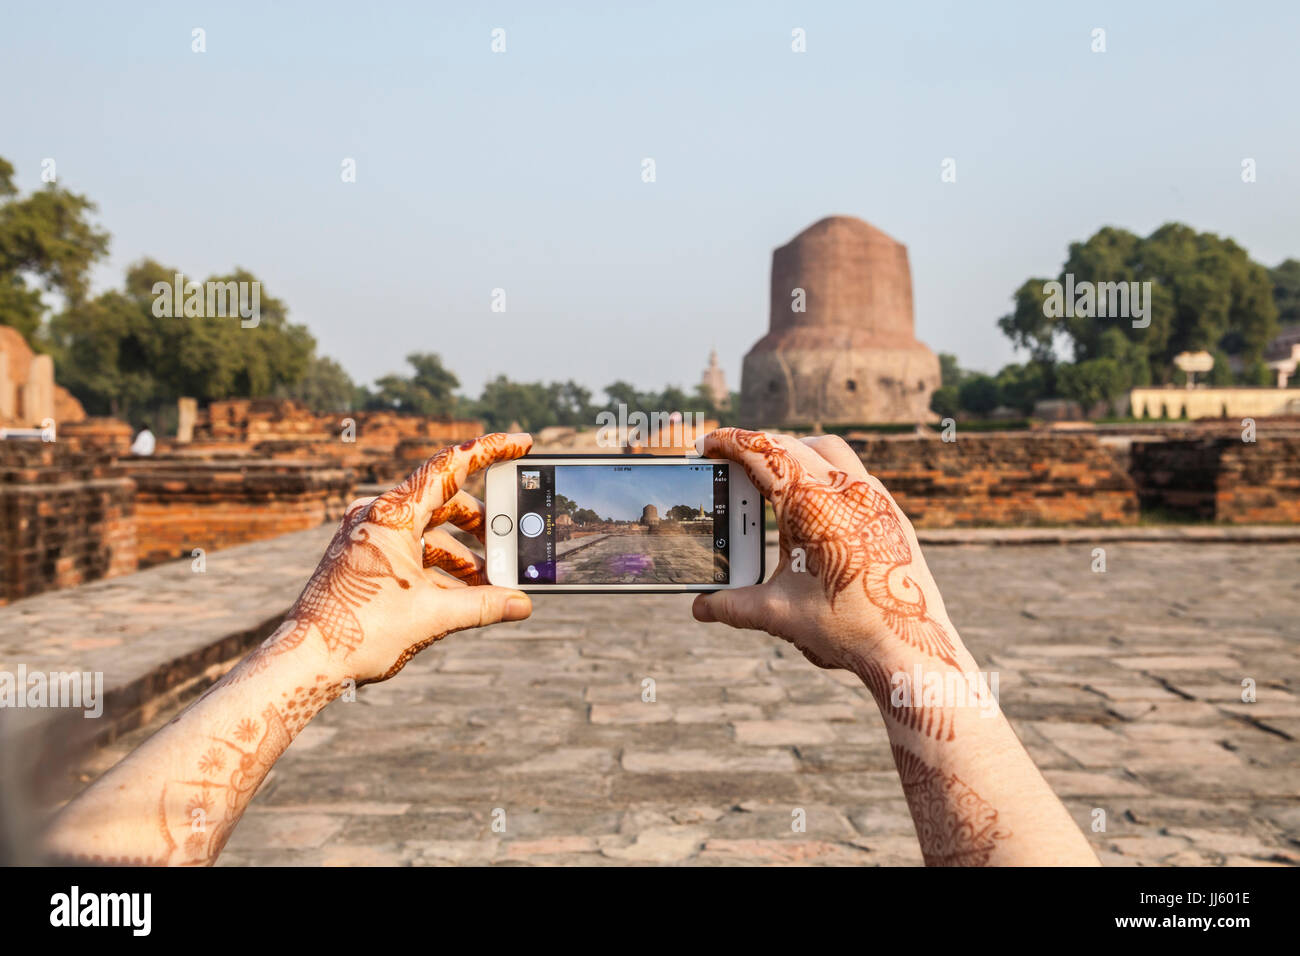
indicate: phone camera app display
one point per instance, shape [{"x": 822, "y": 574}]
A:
[{"x": 633, "y": 523}]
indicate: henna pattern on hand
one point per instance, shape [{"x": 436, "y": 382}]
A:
[
  {"x": 464, "y": 511},
  {"x": 349, "y": 575},
  {"x": 354, "y": 568},
  {"x": 397, "y": 508},
  {"x": 933, "y": 722},
  {"x": 215, "y": 804},
  {"x": 222, "y": 801},
  {"x": 251, "y": 767},
  {"x": 955, "y": 825},
  {"x": 457, "y": 566},
  {"x": 228, "y": 767},
  {"x": 848, "y": 530}
]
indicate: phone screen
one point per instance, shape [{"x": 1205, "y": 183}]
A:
[{"x": 623, "y": 524}]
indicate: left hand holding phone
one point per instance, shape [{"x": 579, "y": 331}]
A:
[{"x": 393, "y": 581}]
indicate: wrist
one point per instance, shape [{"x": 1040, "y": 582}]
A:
[
  {"x": 902, "y": 641},
  {"x": 299, "y": 681},
  {"x": 889, "y": 660}
]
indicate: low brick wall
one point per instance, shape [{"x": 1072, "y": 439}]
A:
[
  {"x": 1259, "y": 482},
  {"x": 1002, "y": 479},
  {"x": 277, "y": 419},
  {"x": 109, "y": 435},
  {"x": 1177, "y": 478},
  {"x": 184, "y": 503},
  {"x": 66, "y": 518},
  {"x": 1221, "y": 479},
  {"x": 383, "y": 449}
]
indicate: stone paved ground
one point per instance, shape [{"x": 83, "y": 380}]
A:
[
  {"x": 1125, "y": 686},
  {"x": 640, "y": 559}
]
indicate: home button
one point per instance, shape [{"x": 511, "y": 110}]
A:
[{"x": 502, "y": 524}]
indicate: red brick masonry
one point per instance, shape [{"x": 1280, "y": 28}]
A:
[
  {"x": 1221, "y": 479},
  {"x": 70, "y": 512},
  {"x": 65, "y": 518},
  {"x": 385, "y": 446},
  {"x": 1002, "y": 479},
  {"x": 182, "y": 503}
]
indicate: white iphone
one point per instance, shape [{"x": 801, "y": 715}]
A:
[{"x": 640, "y": 523}]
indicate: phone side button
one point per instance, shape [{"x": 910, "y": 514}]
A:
[{"x": 502, "y": 524}]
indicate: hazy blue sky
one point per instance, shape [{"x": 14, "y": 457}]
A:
[
  {"x": 622, "y": 495},
  {"x": 522, "y": 170}
]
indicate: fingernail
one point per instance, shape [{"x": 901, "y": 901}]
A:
[
  {"x": 517, "y": 608},
  {"x": 702, "y": 611},
  {"x": 699, "y": 444}
]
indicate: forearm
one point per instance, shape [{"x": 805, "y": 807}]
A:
[
  {"x": 176, "y": 799},
  {"x": 975, "y": 796}
]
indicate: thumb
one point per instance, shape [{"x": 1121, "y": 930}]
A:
[
  {"x": 479, "y": 606},
  {"x": 740, "y": 607}
]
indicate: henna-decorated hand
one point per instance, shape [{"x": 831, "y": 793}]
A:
[
  {"x": 392, "y": 581},
  {"x": 851, "y": 588}
]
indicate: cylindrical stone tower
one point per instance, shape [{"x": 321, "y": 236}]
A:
[{"x": 840, "y": 347}]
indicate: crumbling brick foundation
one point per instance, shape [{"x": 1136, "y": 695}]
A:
[
  {"x": 1221, "y": 479},
  {"x": 1001, "y": 479},
  {"x": 66, "y": 517},
  {"x": 185, "y": 503}
]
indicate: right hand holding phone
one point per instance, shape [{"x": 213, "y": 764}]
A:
[{"x": 851, "y": 585}]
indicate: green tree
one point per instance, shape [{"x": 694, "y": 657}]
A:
[
  {"x": 324, "y": 387},
  {"x": 1221, "y": 374},
  {"x": 1091, "y": 382},
  {"x": 429, "y": 391},
  {"x": 978, "y": 394},
  {"x": 120, "y": 358},
  {"x": 1258, "y": 374},
  {"x": 533, "y": 405},
  {"x": 1205, "y": 293},
  {"x": 622, "y": 393},
  {"x": 1020, "y": 386},
  {"x": 46, "y": 241},
  {"x": 1028, "y": 326},
  {"x": 570, "y": 404},
  {"x": 950, "y": 372},
  {"x": 1286, "y": 291},
  {"x": 945, "y": 401},
  {"x": 105, "y": 357}
]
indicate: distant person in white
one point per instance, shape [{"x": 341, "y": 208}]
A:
[{"x": 144, "y": 443}]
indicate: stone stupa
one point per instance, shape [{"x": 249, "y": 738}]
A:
[{"x": 840, "y": 347}]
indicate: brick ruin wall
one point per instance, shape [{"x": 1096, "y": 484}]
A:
[
  {"x": 1259, "y": 482},
  {"x": 84, "y": 508},
  {"x": 1002, "y": 479},
  {"x": 1222, "y": 479},
  {"x": 104, "y": 435},
  {"x": 183, "y": 503},
  {"x": 66, "y": 517},
  {"x": 384, "y": 448}
]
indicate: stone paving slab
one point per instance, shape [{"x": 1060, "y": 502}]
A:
[
  {"x": 531, "y": 743},
  {"x": 154, "y": 635},
  {"x": 130, "y": 624}
]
